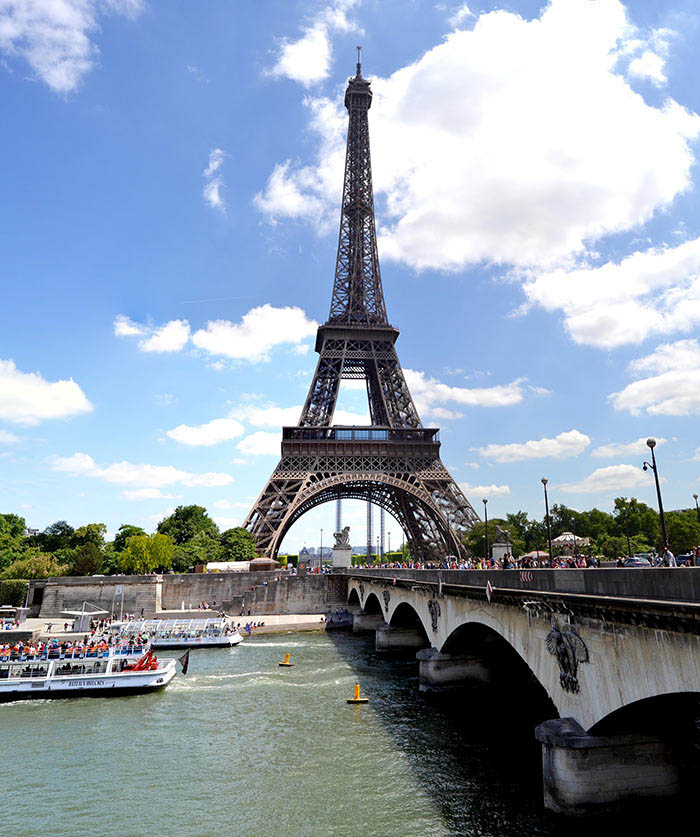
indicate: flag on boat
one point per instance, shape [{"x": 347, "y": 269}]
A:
[
  {"x": 185, "y": 661},
  {"x": 489, "y": 590}
]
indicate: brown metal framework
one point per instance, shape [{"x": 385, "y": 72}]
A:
[{"x": 395, "y": 463}]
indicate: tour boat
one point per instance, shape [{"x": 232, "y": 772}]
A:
[
  {"x": 183, "y": 633},
  {"x": 105, "y": 674}
]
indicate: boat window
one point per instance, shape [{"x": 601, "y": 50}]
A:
[{"x": 4, "y": 672}]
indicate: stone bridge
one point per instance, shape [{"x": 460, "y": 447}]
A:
[{"x": 610, "y": 652}]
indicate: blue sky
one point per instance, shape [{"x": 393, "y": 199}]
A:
[{"x": 169, "y": 221}]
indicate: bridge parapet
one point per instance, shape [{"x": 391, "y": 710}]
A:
[{"x": 680, "y": 584}]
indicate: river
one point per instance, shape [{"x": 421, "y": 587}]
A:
[{"x": 241, "y": 746}]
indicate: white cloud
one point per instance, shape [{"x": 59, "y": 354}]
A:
[
  {"x": 171, "y": 337},
  {"x": 550, "y": 148},
  {"x": 26, "y": 398},
  {"x": 460, "y": 16},
  {"x": 213, "y": 182},
  {"x": 206, "y": 435},
  {"x": 8, "y": 438},
  {"x": 636, "y": 448},
  {"x": 563, "y": 446},
  {"x": 472, "y": 464},
  {"x": 611, "y": 478},
  {"x": 268, "y": 416},
  {"x": 54, "y": 36},
  {"x": 147, "y": 494},
  {"x": 428, "y": 393},
  {"x": 307, "y": 60},
  {"x": 675, "y": 388},
  {"x": 696, "y": 456},
  {"x": 124, "y": 327},
  {"x": 260, "y": 443},
  {"x": 142, "y": 476},
  {"x": 656, "y": 291},
  {"x": 484, "y": 490},
  {"x": 260, "y": 330},
  {"x": 649, "y": 65}
]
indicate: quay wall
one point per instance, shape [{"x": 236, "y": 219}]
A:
[{"x": 261, "y": 592}]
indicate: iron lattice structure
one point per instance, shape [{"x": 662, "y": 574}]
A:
[{"x": 395, "y": 463}]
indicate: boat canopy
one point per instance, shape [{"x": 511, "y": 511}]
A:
[{"x": 151, "y": 626}]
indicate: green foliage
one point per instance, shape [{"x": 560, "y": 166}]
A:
[
  {"x": 12, "y": 548},
  {"x": 92, "y": 533},
  {"x": 186, "y": 522},
  {"x": 87, "y": 560},
  {"x": 683, "y": 531},
  {"x": 125, "y": 531},
  {"x": 145, "y": 553},
  {"x": 283, "y": 560},
  {"x": 201, "y": 549},
  {"x": 13, "y": 525},
  {"x": 58, "y": 535},
  {"x": 642, "y": 519},
  {"x": 39, "y": 565},
  {"x": 237, "y": 545},
  {"x": 110, "y": 560},
  {"x": 13, "y": 592}
]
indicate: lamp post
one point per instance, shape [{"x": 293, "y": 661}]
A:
[
  {"x": 651, "y": 444},
  {"x": 627, "y": 527},
  {"x": 320, "y": 554},
  {"x": 697, "y": 508},
  {"x": 486, "y": 531},
  {"x": 546, "y": 513}
]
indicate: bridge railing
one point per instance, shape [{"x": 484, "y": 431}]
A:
[{"x": 681, "y": 584}]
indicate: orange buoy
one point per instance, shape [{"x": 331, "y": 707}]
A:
[
  {"x": 357, "y": 698},
  {"x": 286, "y": 662}
]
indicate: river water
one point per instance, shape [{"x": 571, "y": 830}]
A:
[{"x": 241, "y": 746}]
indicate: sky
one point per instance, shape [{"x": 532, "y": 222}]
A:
[{"x": 169, "y": 215}]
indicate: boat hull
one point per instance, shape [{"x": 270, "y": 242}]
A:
[
  {"x": 101, "y": 685},
  {"x": 196, "y": 642}
]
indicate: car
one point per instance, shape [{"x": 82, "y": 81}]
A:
[
  {"x": 686, "y": 560},
  {"x": 636, "y": 562}
]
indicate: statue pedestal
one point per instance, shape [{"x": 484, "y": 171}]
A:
[{"x": 342, "y": 556}]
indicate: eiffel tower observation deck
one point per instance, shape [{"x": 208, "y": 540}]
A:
[{"x": 395, "y": 462}]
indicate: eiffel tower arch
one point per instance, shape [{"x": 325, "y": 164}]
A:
[{"x": 395, "y": 462}]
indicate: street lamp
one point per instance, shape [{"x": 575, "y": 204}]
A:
[
  {"x": 651, "y": 444},
  {"x": 320, "y": 554},
  {"x": 549, "y": 527},
  {"x": 697, "y": 508},
  {"x": 486, "y": 529},
  {"x": 627, "y": 526}
]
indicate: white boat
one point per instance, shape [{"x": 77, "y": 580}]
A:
[
  {"x": 107, "y": 675},
  {"x": 183, "y": 633}
]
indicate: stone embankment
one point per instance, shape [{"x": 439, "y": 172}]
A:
[{"x": 262, "y": 593}]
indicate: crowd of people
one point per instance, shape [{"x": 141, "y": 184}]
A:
[{"x": 53, "y": 649}]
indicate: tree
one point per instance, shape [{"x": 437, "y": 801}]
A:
[
  {"x": 13, "y": 525},
  {"x": 58, "y": 535},
  {"x": 125, "y": 531},
  {"x": 145, "y": 553},
  {"x": 12, "y": 548},
  {"x": 683, "y": 531},
  {"x": 87, "y": 560},
  {"x": 92, "y": 533},
  {"x": 642, "y": 519},
  {"x": 238, "y": 545},
  {"x": 186, "y": 522},
  {"x": 201, "y": 549},
  {"x": 39, "y": 565}
]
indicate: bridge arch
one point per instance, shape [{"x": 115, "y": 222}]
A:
[
  {"x": 372, "y": 604},
  {"x": 403, "y": 497},
  {"x": 353, "y": 597}
]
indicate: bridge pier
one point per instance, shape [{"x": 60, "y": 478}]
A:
[
  {"x": 439, "y": 672},
  {"x": 390, "y": 638},
  {"x": 365, "y": 622},
  {"x": 585, "y": 773}
]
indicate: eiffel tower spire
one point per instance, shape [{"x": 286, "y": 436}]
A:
[
  {"x": 395, "y": 462},
  {"x": 357, "y": 288}
]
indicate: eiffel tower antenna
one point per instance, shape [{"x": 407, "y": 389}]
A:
[{"x": 395, "y": 462}]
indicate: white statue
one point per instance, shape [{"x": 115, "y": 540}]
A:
[{"x": 342, "y": 539}]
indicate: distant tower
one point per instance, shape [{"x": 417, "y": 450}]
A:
[
  {"x": 369, "y": 531},
  {"x": 381, "y": 532},
  {"x": 338, "y": 515}
]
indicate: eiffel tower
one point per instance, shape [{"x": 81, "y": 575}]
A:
[{"x": 394, "y": 463}]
